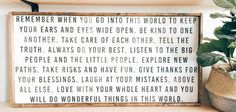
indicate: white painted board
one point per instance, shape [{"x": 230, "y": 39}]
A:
[{"x": 104, "y": 58}]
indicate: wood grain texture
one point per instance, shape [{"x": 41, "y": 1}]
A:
[
  {"x": 105, "y": 14},
  {"x": 119, "y": 2},
  {"x": 11, "y": 61},
  {"x": 4, "y": 107}
]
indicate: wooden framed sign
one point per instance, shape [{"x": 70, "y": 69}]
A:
[{"x": 104, "y": 59}]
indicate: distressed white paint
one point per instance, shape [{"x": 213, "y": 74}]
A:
[{"x": 6, "y": 7}]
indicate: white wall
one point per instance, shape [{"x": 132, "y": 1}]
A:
[{"x": 5, "y": 8}]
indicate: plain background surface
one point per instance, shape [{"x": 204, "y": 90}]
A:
[{"x": 205, "y": 7}]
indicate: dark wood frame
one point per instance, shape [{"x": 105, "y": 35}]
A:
[{"x": 11, "y": 61}]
